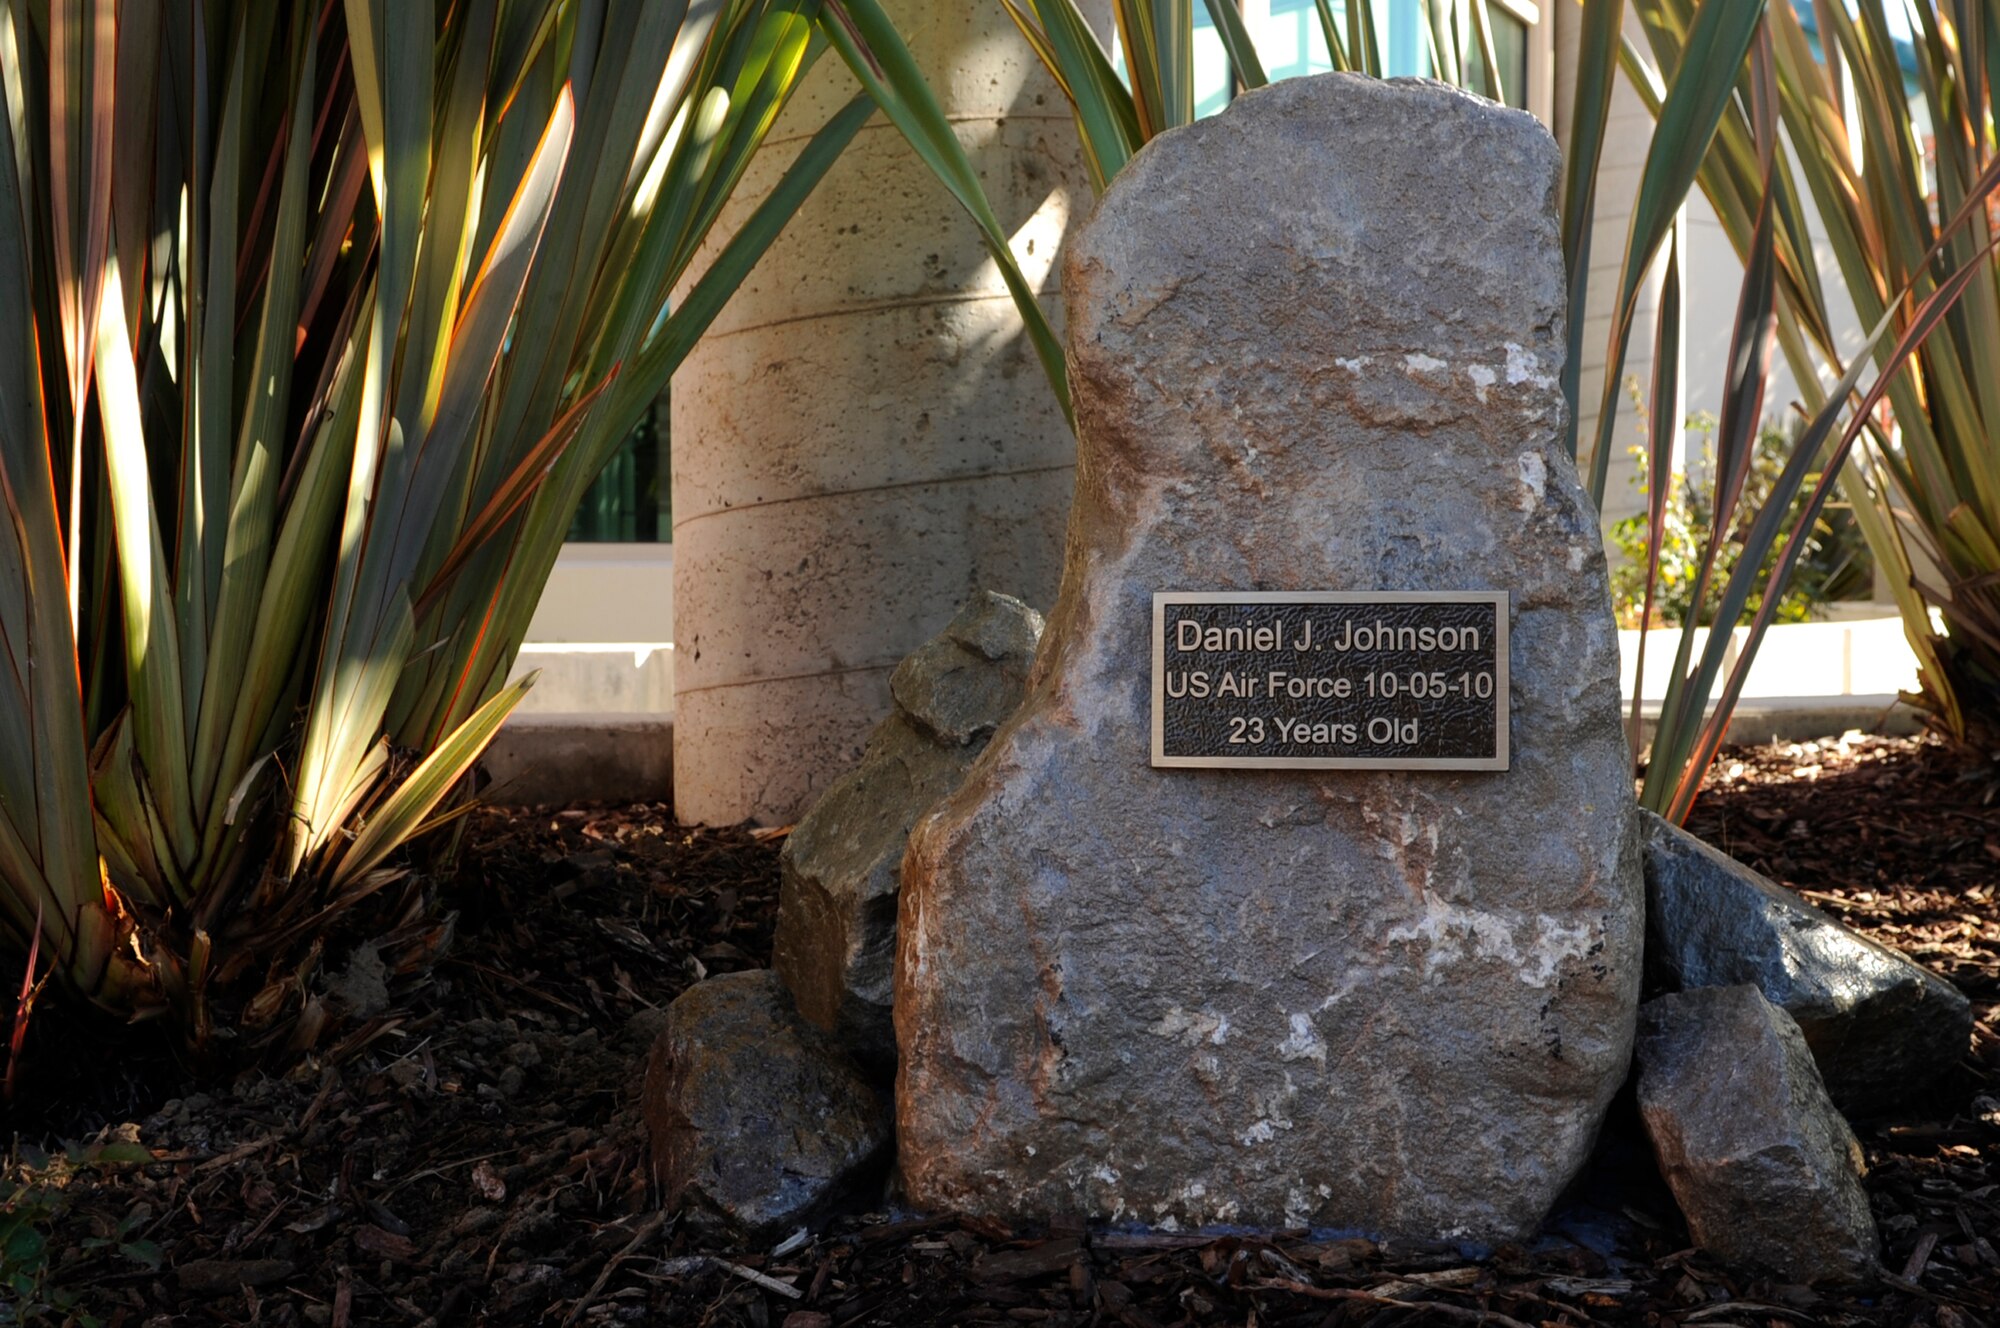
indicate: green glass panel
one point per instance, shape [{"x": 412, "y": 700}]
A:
[
  {"x": 1510, "y": 47},
  {"x": 628, "y": 503}
]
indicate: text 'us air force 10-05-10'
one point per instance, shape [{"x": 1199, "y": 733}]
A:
[{"x": 1330, "y": 680}]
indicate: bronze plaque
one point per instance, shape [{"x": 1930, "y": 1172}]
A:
[{"x": 1330, "y": 680}]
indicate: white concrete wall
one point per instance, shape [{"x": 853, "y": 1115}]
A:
[
  {"x": 1858, "y": 657},
  {"x": 602, "y": 635}
]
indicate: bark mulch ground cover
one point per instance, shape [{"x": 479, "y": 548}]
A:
[{"x": 472, "y": 1154}]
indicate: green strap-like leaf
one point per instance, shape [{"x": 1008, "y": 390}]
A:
[
  {"x": 260, "y": 456},
  {"x": 404, "y": 810},
  {"x": 1107, "y": 119},
  {"x": 639, "y": 384},
  {"x": 1329, "y": 29},
  {"x": 1236, "y": 42},
  {"x": 873, "y": 49},
  {"x": 1663, "y": 439},
  {"x": 48, "y": 858},
  {"x": 152, "y": 652},
  {"x": 1695, "y": 101},
  {"x": 1595, "y": 70}
]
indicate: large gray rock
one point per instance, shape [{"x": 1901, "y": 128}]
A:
[
  {"x": 758, "y": 1122},
  {"x": 836, "y": 936},
  {"x": 1762, "y": 1164},
  {"x": 1314, "y": 344},
  {"x": 1879, "y": 1026}
]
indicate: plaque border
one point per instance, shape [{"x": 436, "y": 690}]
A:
[{"x": 1502, "y": 683}]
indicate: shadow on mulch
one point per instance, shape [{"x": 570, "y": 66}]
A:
[{"x": 479, "y": 1161}]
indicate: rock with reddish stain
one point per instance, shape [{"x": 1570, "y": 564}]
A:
[
  {"x": 1765, "y": 1169},
  {"x": 1315, "y": 344}
]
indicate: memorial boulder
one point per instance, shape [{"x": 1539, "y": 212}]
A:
[{"x": 1303, "y": 889}]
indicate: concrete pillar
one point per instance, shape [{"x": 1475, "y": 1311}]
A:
[{"x": 866, "y": 435}]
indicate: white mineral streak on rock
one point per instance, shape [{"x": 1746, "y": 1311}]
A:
[
  {"x": 1534, "y": 480},
  {"x": 1482, "y": 378},
  {"x": 1304, "y": 1041},
  {"x": 1354, "y": 364},
  {"x": 1524, "y": 366},
  {"x": 1192, "y": 1028},
  {"x": 1418, "y": 362},
  {"x": 1340, "y": 993},
  {"x": 1454, "y": 934},
  {"x": 1298, "y": 1208}
]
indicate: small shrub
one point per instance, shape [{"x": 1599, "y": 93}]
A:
[{"x": 1836, "y": 564}]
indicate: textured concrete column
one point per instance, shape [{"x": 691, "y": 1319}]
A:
[{"x": 866, "y": 436}]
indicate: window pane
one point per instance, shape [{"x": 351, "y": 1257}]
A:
[
  {"x": 628, "y": 503},
  {"x": 1510, "y": 46},
  {"x": 1288, "y": 36},
  {"x": 1212, "y": 80},
  {"x": 1291, "y": 42},
  {"x": 1404, "y": 54}
]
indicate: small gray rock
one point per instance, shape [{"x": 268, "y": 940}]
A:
[
  {"x": 836, "y": 933},
  {"x": 1879, "y": 1026},
  {"x": 960, "y": 685},
  {"x": 759, "y": 1123},
  {"x": 361, "y": 990},
  {"x": 1765, "y": 1169}
]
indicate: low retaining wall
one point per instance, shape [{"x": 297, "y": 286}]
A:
[
  {"x": 545, "y": 759},
  {"x": 541, "y": 760}
]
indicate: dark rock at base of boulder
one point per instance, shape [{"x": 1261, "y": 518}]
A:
[
  {"x": 1765, "y": 1169},
  {"x": 1880, "y": 1027},
  {"x": 836, "y": 937},
  {"x": 758, "y": 1122}
]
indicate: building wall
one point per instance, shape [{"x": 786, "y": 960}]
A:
[
  {"x": 1712, "y": 275},
  {"x": 1627, "y": 134}
]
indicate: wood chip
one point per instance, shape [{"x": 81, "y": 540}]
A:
[
  {"x": 688, "y": 1265},
  {"x": 1042, "y": 1260},
  {"x": 212, "y": 1276}
]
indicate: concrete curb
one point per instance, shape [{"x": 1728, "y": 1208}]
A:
[
  {"x": 543, "y": 760},
  {"x": 1800, "y": 718}
]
